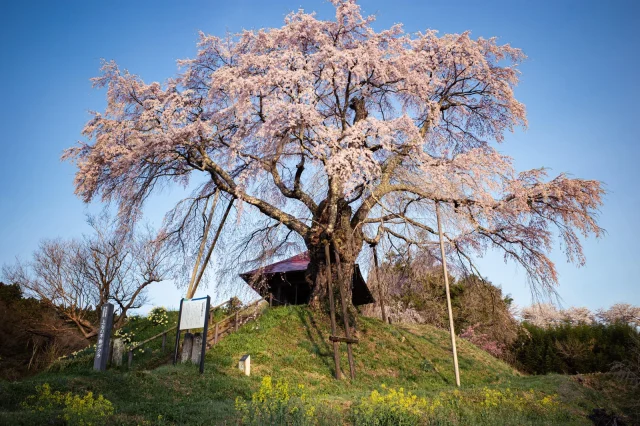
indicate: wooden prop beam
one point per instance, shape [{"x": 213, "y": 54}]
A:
[
  {"x": 211, "y": 247},
  {"x": 345, "y": 315},
  {"x": 203, "y": 243},
  {"x": 446, "y": 284},
  {"x": 344, "y": 339},
  {"x": 380, "y": 292},
  {"x": 332, "y": 310}
]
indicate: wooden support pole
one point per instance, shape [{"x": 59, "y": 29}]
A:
[
  {"x": 164, "y": 341},
  {"x": 212, "y": 246},
  {"x": 203, "y": 243},
  {"x": 446, "y": 284},
  {"x": 270, "y": 299},
  {"x": 344, "y": 339},
  {"x": 380, "y": 292},
  {"x": 215, "y": 335},
  {"x": 130, "y": 359},
  {"x": 332, "y": 310},
  {"x": 235, "y": 325},
  {"x": 345, "y": 314}
]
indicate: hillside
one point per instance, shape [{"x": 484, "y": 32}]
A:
[{"x": 291, "y": 343}]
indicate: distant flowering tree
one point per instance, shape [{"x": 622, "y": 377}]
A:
[
  {"x": 620, "y": 313},
  {"x": 577, "y": 316},
  {"x": 334, "y": 131},
  {"x": 541, "y": 315}
]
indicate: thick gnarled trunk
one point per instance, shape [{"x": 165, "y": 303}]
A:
[{"x": 344, "y": 247}]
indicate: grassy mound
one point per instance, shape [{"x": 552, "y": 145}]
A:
[{"x": 292, "y": 344}]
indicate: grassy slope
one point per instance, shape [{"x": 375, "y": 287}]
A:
[{"x": 288, "y": 343}]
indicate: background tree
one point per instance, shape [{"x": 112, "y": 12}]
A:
[
  {"x": 620, "y": 313},
  {"x": 334, "y": 131},
  {"x": 416, "y": 294},
  {"x": 76, "y": 277}
]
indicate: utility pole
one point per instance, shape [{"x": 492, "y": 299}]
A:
[{"x": 446, "y": 284}]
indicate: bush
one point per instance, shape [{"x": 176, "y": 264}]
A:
[
  {"x": 391, "y": 408},
  {"x": 573, "y": 349},
  {"x": 73, "y": 409},
  {"x": 277, "y": 404},
  {"x": 158, "y": 316},
  {"x": 477, "y": 407}
]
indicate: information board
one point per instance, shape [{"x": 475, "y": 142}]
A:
[{"x": 194, "y": 313}]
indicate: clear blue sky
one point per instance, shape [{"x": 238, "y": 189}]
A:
[{"x": 580, "y": 85}]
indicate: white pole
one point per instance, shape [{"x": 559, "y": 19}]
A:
[{"x": 446, "y": 284}]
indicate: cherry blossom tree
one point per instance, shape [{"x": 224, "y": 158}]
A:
[
  {"x": 336, "y": 132},
  {"x": 577, "y": 315},
  {"x": 620, "y": 313},
  {"x": 542, "y": 315}
]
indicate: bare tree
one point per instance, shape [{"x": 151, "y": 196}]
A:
[
  {"x": 75, "y": 277},
  {"x": 54, "y": 276}
]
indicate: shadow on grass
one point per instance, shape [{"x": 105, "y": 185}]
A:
[
  {"x": 412, "y": 346},
  {"x": 317, "y": 338}
]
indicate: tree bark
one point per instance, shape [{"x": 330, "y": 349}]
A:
[{"x": 346, "y": 240}]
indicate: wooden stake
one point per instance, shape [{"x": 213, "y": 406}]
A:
[
  {"x": 332, "y": 311},
  {"x": 345, "y": 315},
  {"x": 446, "y": 284},
  {"x": 380, "y": 293}
]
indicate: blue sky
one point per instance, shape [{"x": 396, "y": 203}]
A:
[{"x": 579, "y": 84}]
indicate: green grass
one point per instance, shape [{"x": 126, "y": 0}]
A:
[{"x": 292, "y": 344}]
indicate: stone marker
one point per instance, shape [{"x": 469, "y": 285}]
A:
[
  {"x": 187, "y": 346},
  {"x": 118, "y": 351},
  {"x": 197, "y": 348},
  {"x": 104, "y": 336},
  {"x": 245, "y": 365}
]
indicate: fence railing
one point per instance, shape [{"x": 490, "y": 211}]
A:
[{"x": 219, "y": 326}]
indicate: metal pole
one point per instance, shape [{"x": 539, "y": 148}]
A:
[
  {"x": 446, "y": 284},
  {"x": 175, "y": 349}
]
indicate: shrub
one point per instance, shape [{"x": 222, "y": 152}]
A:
[
  {"x": 127, "y": 338},
  {"x": 483, "y": 341},
  {"x": 276, "y": 404},
  {"x": 73, "y": 409},
  {"x": 158, "y": 316},
  {"x": 478, "y": 407},
  {"x": 392, "y": 407},
  {"x": 572, "y": 349}
]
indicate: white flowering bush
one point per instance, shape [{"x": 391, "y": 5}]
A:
[
  {"x": 158, "y": 316},
  {"x": 127, "y": 337}
]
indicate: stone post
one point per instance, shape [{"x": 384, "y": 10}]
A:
[
  {"x": 245, "y": 364},
  {"x": 118, "y": 352},
  {"x": 187, "y": 346},
  {"x": 196, "y": 348}
]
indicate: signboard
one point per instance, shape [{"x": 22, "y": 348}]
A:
[
  {"x": 194, "y": 313},
  {"x": 104, "y": 338}
]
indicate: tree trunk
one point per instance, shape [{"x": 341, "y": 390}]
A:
[{"x": 348, "y": 243}]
